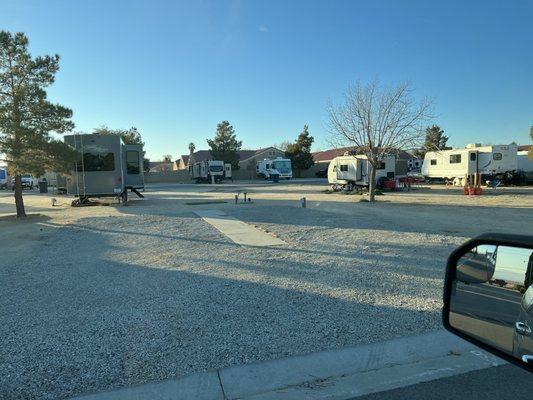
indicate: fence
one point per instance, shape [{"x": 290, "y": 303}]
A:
[{"x": 182, "y": 176}]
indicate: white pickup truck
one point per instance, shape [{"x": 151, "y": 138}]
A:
[{"x": 27, "y": 180}]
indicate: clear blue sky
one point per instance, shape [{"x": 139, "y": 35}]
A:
[{"x": 175, "y": 69}]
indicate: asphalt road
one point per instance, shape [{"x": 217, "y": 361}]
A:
[
  {"x": 487, "y": 302},
  {"x": 498, "y": 383}
]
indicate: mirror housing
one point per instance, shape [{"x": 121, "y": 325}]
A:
[{"x": 486, "y": 296}]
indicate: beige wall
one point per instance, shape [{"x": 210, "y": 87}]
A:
[
  {"x": 181, "y": 176},
  {"x": 250, "y": 163}
]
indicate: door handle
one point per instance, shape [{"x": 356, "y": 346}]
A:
[{"x": 522, "y": 329}]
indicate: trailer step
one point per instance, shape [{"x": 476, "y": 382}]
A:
[{"x": 137, "y": 193}]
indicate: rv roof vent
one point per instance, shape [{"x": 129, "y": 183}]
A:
[{"x": 473, "y": 145}]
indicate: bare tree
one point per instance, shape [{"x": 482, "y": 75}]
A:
[
  {"x": 283, "y": 145},
  {"x": 378, "y": 121}
]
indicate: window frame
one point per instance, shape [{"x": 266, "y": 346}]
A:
[
  {"x": 456, "y": 158},
  {"x": 85, "y": 163},
  {"x": 138, "y": 162}
]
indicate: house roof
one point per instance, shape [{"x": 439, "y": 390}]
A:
[
  {"x": 524, "y": 147},
  {"x": 205, "y": 155},
  {"x": 328, "y": 155}
]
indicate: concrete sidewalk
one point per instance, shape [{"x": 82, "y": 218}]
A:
[
  {"x": 337, "y": 374},
  {"x": 238, "y": 231}
]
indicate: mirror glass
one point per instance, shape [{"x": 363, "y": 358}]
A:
[{"x": 492, "y": 298}]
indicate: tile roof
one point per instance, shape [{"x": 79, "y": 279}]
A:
[
  {"x": 205, "y": 155},
  {"x": 328, "y": 155}
]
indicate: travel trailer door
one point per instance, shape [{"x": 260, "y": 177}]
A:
[
  {"x": 227, "y": 171},
  {"x": 473, "y": 162},
  {"x": 132, "y": 155}
]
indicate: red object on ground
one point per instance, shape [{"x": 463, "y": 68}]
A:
[
  {"x": 478, "y": 190},
  {"x": 466, "y": 189},
  {"x": 390, "y": 184}
]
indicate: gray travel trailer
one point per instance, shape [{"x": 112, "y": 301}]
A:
[{"x": 106, "y": 168}]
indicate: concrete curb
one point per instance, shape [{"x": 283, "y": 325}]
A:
[{"x": 337, "y": 374}]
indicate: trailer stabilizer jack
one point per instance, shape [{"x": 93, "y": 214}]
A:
[{"x": 137, "y": 193}]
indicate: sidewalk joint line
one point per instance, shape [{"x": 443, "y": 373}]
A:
[{"x": 221, "y": 386}]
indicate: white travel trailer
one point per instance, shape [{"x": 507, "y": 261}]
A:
[
  {"x": 208, "y": 171},
  {"x": 489, "y": 161},
  {"x": 525, "y": 166},
  {"x": 355, "y": 170},
  {"x": 277, "y": 166}
]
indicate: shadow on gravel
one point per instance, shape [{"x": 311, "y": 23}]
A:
[
  {"x": 454, "y": 221},
  {"x": 89, "y": 313}
]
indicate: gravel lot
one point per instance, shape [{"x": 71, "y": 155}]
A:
[{"x": 102, "y": 297}]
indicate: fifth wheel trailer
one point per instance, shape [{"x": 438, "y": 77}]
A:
[
  {"x": 106, "y": 167},
  {"x": 354, "y": 170},
  {"x": 212, "y": 170},
  {"x": 489, "y": 161},
  {"x": 525, "y": 166}
]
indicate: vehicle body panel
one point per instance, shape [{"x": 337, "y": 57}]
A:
[
  {"x": 355, "y": 170},
  {"x": 100, "y": 171}
]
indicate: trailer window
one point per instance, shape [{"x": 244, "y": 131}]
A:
[
  {"x": 132, "y": 162},
  {"x": 344, "y": 167},
  {"x": 473, "y": 156},
  {"x": 433, "y": 162},
  {"x": 97, "y": 162},
  {"x": 497, "y": 156},
  {"x": 381, "y": 165},
  {"x": 455, "y": 159}
]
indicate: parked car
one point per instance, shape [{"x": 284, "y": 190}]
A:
[
  {"x": 323, "y": 173},
  {"x": 27, "y": 180}
]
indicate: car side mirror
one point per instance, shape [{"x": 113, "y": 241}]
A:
[{"x": 488, "y": 295}]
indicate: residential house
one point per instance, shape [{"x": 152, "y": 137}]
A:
[
  {"x": 247, "y": 158},
  {"x": 181, "y": 163},
  {"x": 414, "y": 163},
  {"x": 324, "y": 157},
  {"x": 161, "y": 166}
]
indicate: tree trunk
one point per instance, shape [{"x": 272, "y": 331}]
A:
[
  {"x": 19, "y": 202},
  {"x": 372, "y": 184}
]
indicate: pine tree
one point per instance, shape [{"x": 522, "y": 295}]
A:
[
  {"x": 225, "y": 145},
  {"x": 300, "y": 152},
  {"x": 128, "y": 136},
  {"x": 27, "y": 117},
  {"x": 435, "y": 139}
]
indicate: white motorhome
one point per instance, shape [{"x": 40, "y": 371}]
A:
[
  {"x": 489, "y": 161},
  {"x": 352, "y": 170},
  {"x": 207, "y": 171},
  {"x": 277, "y": 166},
  {"x": 4, "y": 178}
]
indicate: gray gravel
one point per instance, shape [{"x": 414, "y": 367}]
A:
[{"x": 158, "y": 293}]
